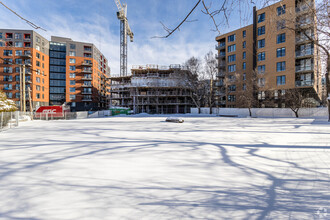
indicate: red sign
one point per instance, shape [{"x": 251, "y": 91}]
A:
[{"x": 52, "y": 111}]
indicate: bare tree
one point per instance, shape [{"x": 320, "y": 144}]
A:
[
  {"x": 296, "y": 99},
  {"x": 210, "y": 71},
  {"x": 196, "y": 82}
]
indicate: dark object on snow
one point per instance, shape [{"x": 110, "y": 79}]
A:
[{"x": 175, "y": 120}]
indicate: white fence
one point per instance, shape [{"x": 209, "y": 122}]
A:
[
  {"x": 10, "y": 120},
  {"x": 265, "y": 112},
  {"x": 100, "y": 114}
]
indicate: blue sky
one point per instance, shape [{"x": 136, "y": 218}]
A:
[{"x": 95, "y": 21}]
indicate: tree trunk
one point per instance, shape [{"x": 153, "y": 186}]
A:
[
  {"x": 250, "y": 112},
  {"x": 296, "y": 113},
  {"x": 199, "y": 110},
  {"x": 327, "y": 84}
]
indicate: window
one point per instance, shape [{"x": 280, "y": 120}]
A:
[
  {"x": 38, "y": 96},
  {"x": 232, "y": 88},
  {"x": 261, "y": 95},
  {"x": 261, "y": 43},
  {"x": 281, "y": 38},
  {"x": 72, "y": 68},
  {"x": 232, "y": 48},
  {"x": 261, "y": 69},
  {"x": 38, "y": 88},
  {"x": 8, "y": 78},
  {"x": 18, "y": 36},
  {"x": 7, "y": 52},
  {"x": 280, "y": 80},
  {"x": 244, "y": 86},
  {"x": 280, "y": 52},
  {"x": 18, "y": 53},
  {"x": 18, "y": 61},
  {"x": 231, "y": 98},
  {"x": 261, "y": 30},
  {"x": 261, "y": 82},
  {"x": 72, "y": 82},
  {"x": 244, "y": 76},
  {"x": 72, "y": 53},
  {"x": 0, "y": 35},
  {"x": 231, "y": 38},
  {"x": 87, "y": 55},
  {"x": 244, "y": 66},
  {"x": 244, "y": 55},
  {"x": 9, "y": 35},
  {"x": 244, "y": 34},
  {"x": 72, "y": 97},
  {"x": 280, "y": 66},
  {"x": 280, "y": 24},
  {"x": 38, "y": 55},
  {"x": 72, "y": 89},
  {"x": 38, "y": 63},
  {"x": 38, "y": 39},
  {"x": 18, "y": 44},
  {"x": 280, "y": 10},
  {"x": 73, "y": 104},
  {"x": 72, "y": 60},
  {"x": 72, "y": 75},
  {"x": 231, "y": 58},
  {"x": 87, "y": 48},
  {"x": 244, "y": 44},
  {"x": 9, "y": 95},
  {"x": 232, "y": 68},
  {"x": 38, "y": 79},
  {"x": 38, "y": 47},
  {"x": 261, "y": 17},
  {"x": 27, "y": 44},
  {"x": 261, "y": 56},
  {"x": 72, "y": 46},
  {"x": 7, "y": 69}
]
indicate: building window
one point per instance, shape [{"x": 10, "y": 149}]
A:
[
  {"x": 261, "y": 56},
  {"x": 19, "y": 61},
  {"x": 73, "y": 104},
  {"x": 18, "y": 44},
  {"x": 244, "y": 66},
  {"x": 280, "y": 52},
  {"x": 72, "y": 75},
  {"x": 38, "y": 55},
  {"x": 280, "y": 10},
  {"x": 87, "y": 55},
  {"x": 72, "y": 60},
  {"x": 72, "y": 68},
  {"x": 18, "y": 53},
  {"x": 72, "y": 53},
  {"x": 244, "y": 86},
  {"x": 261, "y": 69},
  {"x": 0, "y": 35},
  {"x": 232, "y": 48},
  {"x": 280, "y": 66},
  {"x": 281, "y": 38},
  {"x": 72, "y": 46},
  {"x": 231, "y": 98},
  {"x": 38, "y": 88},
  {"x": 38, "y": 63},
  {"x": 244, "y": 55},
  {"x": 72, "y": 97},
  {"x": 9, "y": 35},
  {"x": 261, "y": 17},
  {"x": 280, "y": 80},
  {"x": 244, "y": 76},
  {"x": 231, "y": 38},
  {"x": 72, "y": 82},
  {"x": 232, "y": 68},
  {"x": 38, "y": 96},
  {"x": 261, "y": 43},
  {"x": 72, "y": 89},
  {"x": 232, "y": 58},
  {"x": 261, "y": 30},
  {"x": 244, "y": 44},
  {"x": 38, "y": 79},
  {"x": 7, "y": 52},
  {"x": 261, "y": 95},
  {"x": 232, "y": 88},
  {"x": 244, "y": 34},
  {"x": 261, "y": 82},
  {"x": 280, "y": 24}
]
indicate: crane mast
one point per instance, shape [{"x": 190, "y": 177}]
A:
[{"x": 125, "y": 31}]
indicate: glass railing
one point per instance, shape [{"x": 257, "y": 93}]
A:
[
  {"x": 303, "y": 68},
  {"x": 304, "y": 83},
  {"x": 304, "y": 53}
]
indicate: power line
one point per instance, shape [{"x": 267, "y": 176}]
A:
[{"x": 27, "y": 21}]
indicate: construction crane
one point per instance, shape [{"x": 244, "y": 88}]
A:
[{"x": 125, "y": 31}]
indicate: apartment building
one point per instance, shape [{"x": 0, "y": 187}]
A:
[
  {"x": 78, "y": 75},
  {"x": 272, "y": 55},
  {"x": 28, "y": 48},
  {"x": 153, "y": 89},
  {"x": 60, "y": 71}
]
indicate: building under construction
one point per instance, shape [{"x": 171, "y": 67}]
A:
[{"x": 153, "y": 89}]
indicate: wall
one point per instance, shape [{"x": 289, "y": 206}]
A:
[{"x": 266, "y": 112}]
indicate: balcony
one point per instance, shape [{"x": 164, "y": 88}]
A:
[
  {"x": 7, "y": 88},
  {"x": 86, "y": 92},
  {"x": 26, "y": 56},
  {"x": 28, "y": 81},
  {"x": 87, "y": 78},
  {"x": 28, "y": 64},
  {"x": 86, "y": 100},
  {"x": 309, "y": 83},
  {"x": 87, "y": 85},
  {"x": 86, "y": 64},
  {"x": 219, "y": 84},
  {"x": 221, "y": 74},
  {"x": 300, "y": 69},
  {"x": 86, "y": 71},
  {"x": 304, "y": 53},
  {"x": 220, "y": 46}
]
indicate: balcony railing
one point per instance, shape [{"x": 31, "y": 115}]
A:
[
  {"x": 304, "y": 53},
  {"x": 303, "y": 69},
  {"x": 87, "y": 85},
  {"x": 304, "y": 83},
  {"x": 86, "y": 71},
  {"x": 86, "y": 92},
  {"x": 220, "y": 46},
  {"x": 218, "y": 84},
  {"x": 86, "y": 64},
  {"x": 87, "y": 78}
]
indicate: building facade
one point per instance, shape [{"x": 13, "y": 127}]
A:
[
  {"x": 153, "y": 89},
  {"x": 60, "y": 71},
  {"x": 272, "y": 55},
  {"x": 26, "y": 48}
]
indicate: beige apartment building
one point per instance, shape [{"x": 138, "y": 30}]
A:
[{"x": 270, "y": 57}]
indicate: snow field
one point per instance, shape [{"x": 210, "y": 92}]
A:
[{"x": 145, "y": 168}]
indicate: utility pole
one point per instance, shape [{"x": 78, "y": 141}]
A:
[
  {"x": 30, "y": 101},
  {"x": 24, "y": 92}
]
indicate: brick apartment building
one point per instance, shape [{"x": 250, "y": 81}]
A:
[
  {"x": 57, "y": 71},
  {"x": 18, "y": 47},
  {"x": 272, "y": 52}
]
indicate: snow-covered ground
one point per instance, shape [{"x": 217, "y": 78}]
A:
[{"x": 145, "y": 168}]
